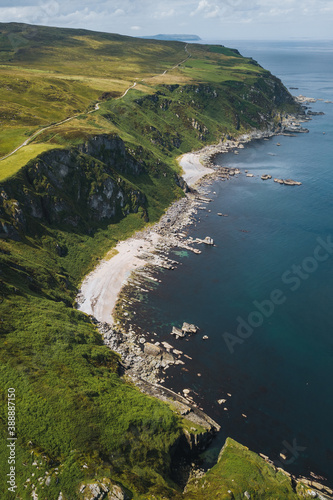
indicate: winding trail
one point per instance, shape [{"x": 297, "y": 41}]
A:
[{"x": 33, "y": 136}]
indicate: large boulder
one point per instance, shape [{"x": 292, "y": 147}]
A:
[{"x": 152, "y": 349}]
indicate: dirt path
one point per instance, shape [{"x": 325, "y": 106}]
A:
[{"x": 32, "y": 137}]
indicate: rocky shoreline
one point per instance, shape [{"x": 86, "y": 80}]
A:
[
  {"x": 143, "y": 359},
  {"x": 142, "y": 356}
]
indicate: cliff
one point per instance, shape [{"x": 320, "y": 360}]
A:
[{"x": 107, "y": 174}]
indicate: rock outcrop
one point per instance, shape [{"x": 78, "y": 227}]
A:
[{"x": 74, "y": 187}]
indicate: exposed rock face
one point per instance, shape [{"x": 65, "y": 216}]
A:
[
  {"x": 72, "y": 187},
  {"x": 103, "y": 490},
  {"x": 112, "y": 151}
]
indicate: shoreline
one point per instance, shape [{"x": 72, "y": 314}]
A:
[
  {"x": 146, "y": 361},
  {"x": 106, "y": 293},
  {"x": 132, "y": 261}
]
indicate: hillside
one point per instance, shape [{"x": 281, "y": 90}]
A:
[{"x": 65, "y": 201}]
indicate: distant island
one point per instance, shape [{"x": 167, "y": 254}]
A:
[{"x": 178, "y": 38}]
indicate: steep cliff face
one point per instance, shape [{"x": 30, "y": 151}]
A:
[
  {"x": 63, "y": 208},
  {"x": 73, "y": 187}
]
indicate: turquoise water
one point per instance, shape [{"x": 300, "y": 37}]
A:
[{"x": 279, "y": 371}]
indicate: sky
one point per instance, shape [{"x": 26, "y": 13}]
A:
[{"x": 209, "y": 19}]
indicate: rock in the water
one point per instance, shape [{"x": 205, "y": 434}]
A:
[
  {"x": 290, "y": 182},
  {"x": 208, "y": 240},
  {"x": 189, "y": 328},
  {"x": 167, "y": 346},
  {"x": 265, "y": 177},
  {"x": 177, "y": 352},
  {"x": 178, "y": 332}
]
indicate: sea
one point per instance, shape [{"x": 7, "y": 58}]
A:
[{"x": 263, "y": 294}]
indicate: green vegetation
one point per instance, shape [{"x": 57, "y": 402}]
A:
[
  {"x": 239, "y": 470},
  {"x": 13, "y": 163},
  {"x": 66, "y": 199}
]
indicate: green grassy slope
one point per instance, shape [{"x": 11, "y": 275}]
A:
[
  {"x": 238, "y": 471},
  {"x": 77, "y": 418}
]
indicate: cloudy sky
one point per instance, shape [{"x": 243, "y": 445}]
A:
[{"x": 210, "y": 19}]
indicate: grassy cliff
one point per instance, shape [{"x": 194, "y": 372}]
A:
[{"x": 65, "y": 200}]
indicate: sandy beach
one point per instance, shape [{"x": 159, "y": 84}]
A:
[
  {"x": 100, "y": 289},
  {"x": 193, "y": 169}
]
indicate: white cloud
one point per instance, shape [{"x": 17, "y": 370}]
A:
[
  {"x": 207, "y": 9},
  {"x": 203, "y": 17},
  {"x": 164, "y": 14},
  {"x": 201, "y": 6}
]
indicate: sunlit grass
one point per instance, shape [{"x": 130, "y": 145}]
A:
[{"x": 11, "y": 165}]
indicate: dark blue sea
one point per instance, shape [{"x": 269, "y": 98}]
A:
[{"x": 264, "y": 294}]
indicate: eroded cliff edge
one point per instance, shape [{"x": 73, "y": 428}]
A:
[{"x": 59, "y": 215}]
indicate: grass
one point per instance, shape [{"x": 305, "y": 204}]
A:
[
  {"x": 79, "y": 420},
  {"x": 50, "y": 74},
  {"x": 11, "y": 165},
  {"x": 237, "y": 471}
]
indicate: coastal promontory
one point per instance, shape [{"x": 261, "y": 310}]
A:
[{"x": 92, "y": 125}]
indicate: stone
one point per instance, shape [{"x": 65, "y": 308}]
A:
[
  {"x": 208, "y": 240},
  {"x": 247, "y": 495},
  {"x": 312, "y": 494},
  {"x": 152, "y": 349},
  {"x": 318, "y": 486},
  {"x": 249, "y": 175},
  {"x": 189, "y": 328},
  {"x": 48, "y": 481},
  {"x": 265, "y": 177},
  {"x": 290, "y": 182},
  {"x": 177, "y": 352},
  {"x": 117, "y": 493},
  {"x": 205, "y": 337},
  {"x": 167, "y": 346},
  {"x": 177, "y": 332}
]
